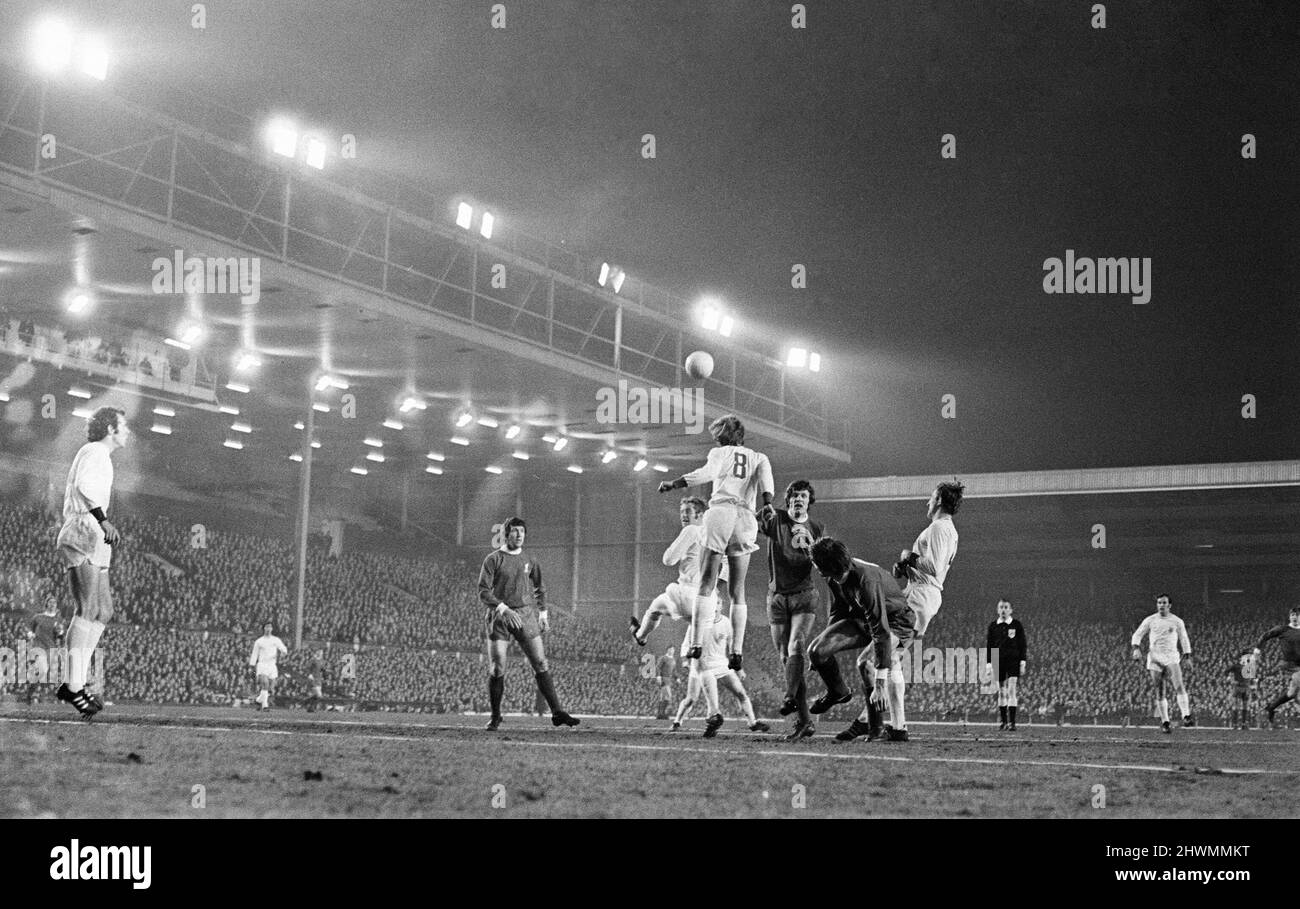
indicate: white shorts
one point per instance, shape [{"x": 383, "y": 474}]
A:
[
  {"x": 267, "y": 672},
  {"x": 730, "y": 529},
  {"x": 1171, "y": 665},
  {"x": 925, "y": 602},
  {"x": 717, "y": 672},
  {"x": 83, "y": 535},
  {"x": 680, "y": 604}
]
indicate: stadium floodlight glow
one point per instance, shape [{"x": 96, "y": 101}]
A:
[
  {"x": 640, "y": 464},
  {"x": 295, "y": 457},
  {"x": 436, "y": 471},
  {"x": 376, "y": 457},
  {"x": 726, "y": 326},
  {"x": 84, "y": 412},
  {"x": 485, "y": 226},
  {"x": 390, "y": 423},
  {"x": 234, "y": 443},
  {"x": 411, "y": 404},
  {"x": 298, "y": 425},
  {"x": 246, "y": 362},
  {"x": 561, "y": 442},
  {"x": 78, "y": 302},
  {"x": 464, "y": 215},
  {"x": 464, "y": 419},
  {"x": 573, "y": 468},
  {"x": 550, "y": 438},
  {"x": 4, "y": 397},
  {"x": 315, "y": 444},
  {"x": 459, "y": 440},
  {"x": 316, "y": 153},
  {"x": 237, "y": 386},
  {"x": 436, "y": 456},
  {"x": 52, "y": 46},
  {"x": 662, "y": 468},
  {"x": 360, "y": 471},
  {"x": 325, "y": 382},
  {"x": 373, "y": 443},
  {"x": 513, "y": 431},
  {"x": 521, "y": 455},
  {"x": 75, "y": 392},
  {"x": 161, "y": 429},
  {"x": 493, "y": 469},
  {"x": 321, "y": 408},
  {"x": 92, "y": 57},
  {"x": 710, "y": 316},
  {"x": 609, "y": 455},
  {"x": 241, "y": 427},
  {"x": 618, "y": 280},
  {"x": 161, "y": 411},
  {"x": 489, "y": 422},
  {"x": 227, "y": 409},
  {"x": 604, "y": 274},
  {"x": 797, "y": 357},
  {"x": 174, "y": 343},
  {"x": 814, "y": 362},
  {"x": 283, "y": 136}
]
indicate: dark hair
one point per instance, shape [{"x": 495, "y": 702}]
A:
[
  {"x": 697, "y": 503},
  {"x": 799, "y": 486},
  {"x": 831, "y": 557},
  {"x": 514, "y": 522},
  {"x": 950, "y": 495},
  {"x": 728, "y": 430},
  {"x": 1294, "y": 610},
  {"x": 1163, "y": 596},
  {"x": 101, "y": 421},
  {"x": 1002, "y": 600}
]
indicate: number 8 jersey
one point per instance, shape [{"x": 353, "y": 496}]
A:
[{"x": 737, "y": 473}]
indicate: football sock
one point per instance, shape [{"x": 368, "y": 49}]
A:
[
  {"x": 1163, "y": 704},
  {"x": 739, "y": 619},
  {"x": 895, "y": 687},
  {"x": 1002, "y": 711},
  {"x": 1012, "y": 711},
  {"x": 829, "y": 670},
  {"x": 710, "y": 692},
  {"x": 79, "y": 633},
  {"x": 547, "y": 688},
  {"x": 496, "y": 688},
  {"x": 696, "y": 604},
  {"x": 747, "y": 706},
  {"x": 651, "y": 618},
  {"x": 1184, "y": 705},
  {"x": 684, "y": 706},
  {"x": 796, "y": 684}
]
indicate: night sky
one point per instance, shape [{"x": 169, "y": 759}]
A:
[{"x": 821, "y": 146}]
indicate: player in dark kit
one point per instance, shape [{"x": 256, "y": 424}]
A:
[
  {"x": 503, "y": 584},
  {"x": 792, "y": 594},
  {"x": 1007, "y": 645},
  {"x": 1289, "y": 635},
  {"x": 868, "y": 611},
  {"x": 315, "y": 679},
  {"x": 1244, "y": 672},
  {"x": 45, "y": 632}
]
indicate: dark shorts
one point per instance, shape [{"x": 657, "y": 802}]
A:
[
  {"x": 781, "y": 606},
  {"x": 1008, "y": 669},
  {"x": 497, "y": 630}
]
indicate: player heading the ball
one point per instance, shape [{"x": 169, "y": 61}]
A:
[{"x": 738, "y": 476}]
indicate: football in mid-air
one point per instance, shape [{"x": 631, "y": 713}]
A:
[{"x": 699, "y": 365}]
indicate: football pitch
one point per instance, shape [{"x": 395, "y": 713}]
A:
[{"x": 143, "y": 761}]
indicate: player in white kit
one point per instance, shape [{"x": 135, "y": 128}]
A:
[
  {"x": 924, "y": 567},
  {"x": 1168, "y": 635},
  {"x": 266, "y": 650},
  {"x": 711, "y": 671},
  {"x": 738, "y": 476},
  {"x": 677, "y": 600},
  {"x": 84, "y": 544}
]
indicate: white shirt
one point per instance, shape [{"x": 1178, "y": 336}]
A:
[
  {"x": 685, "y": 552},
  {"x": 1168, "y": 634},
  {"x": 938, "y": 543},
  {"x": 90, "y": 481},
  {"x": 265, "y": 650},
  {"x": 737, "y": 473}
]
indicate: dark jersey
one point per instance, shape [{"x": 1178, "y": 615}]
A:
[
  {"x": 666, "y": 667},
  {"x": 790, "y": 569},
  {"x": 47, "y": 631},
  {"x": 1290, "y": 639},
  {"x": 507, "y": 578},
  {"x": 870, "y": 595},
  {"x": 1008, "y": 639},
  {"x": 316, "y": 671}
]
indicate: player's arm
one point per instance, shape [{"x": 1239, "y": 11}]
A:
[
  {"x": 279, "y": 646},
  {"x": 765, "y": 488},
  {"x": 989, "y": 646},
  {"x": 487, "y": 577},
  {"x": 539, "y": 597},
  {"x": 1024, "y": 647},
  {"x": 1268, "y": 636},
  {"x": 1185, "y": 643},
  {"x": 1136, "y": 642},
  {"x": 678, "y": 548},
  {"x": 252, "y": 659},
  {"x": 695, "y": 477}
]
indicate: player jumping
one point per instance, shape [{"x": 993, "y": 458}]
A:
[
  {"x": 738, "y": 475},
  {"x": 677, "y": 602},
  {"x": 711, "y": 671},
  {"x": 503, "y": 583},
  {"x": 792, "y": 593},
  {"x": 85, "y": 544},
  {"x": 924, "y": 567},
  {"x": 1289, "y": 635},
  {"x": 868, "y": 611},
  {"x": 1168, "y": 636}
]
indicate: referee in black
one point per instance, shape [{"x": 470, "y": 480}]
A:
[{"x": 1007, "y": 640}]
